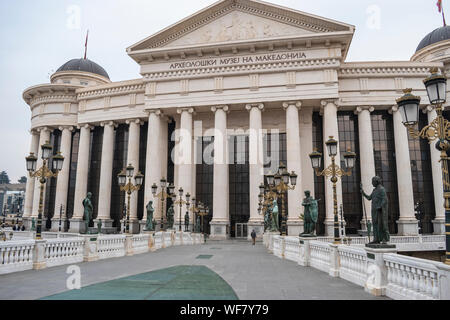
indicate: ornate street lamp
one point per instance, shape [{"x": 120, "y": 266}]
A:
[
  {"x": 129, "y": 187},
  {"x": 43, "y": 174},
  {"x": 280, "y": 183},
  {"x": 181, "y": 202},
  {"x": 166, "y": 192},
  {"x": 438, "y": 129},
  {"x": 335, "y": 172}
]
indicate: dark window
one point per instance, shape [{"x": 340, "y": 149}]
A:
[
  {"x": 50, "y": 190},
  {"x": 351, "y": 196},
  {"x": 95, "y": 159},
  {"x": 120, "y": 162},
  {"x": 422, "y": 177},
  {"x": 142, "y": 163},
  {"x": 205, "y": 177},
  {"x": 239, "y": 172},
  {"x": 385, "y": 165},
  {"x": 73, "y": 172},
  {"x": 319, "y": 182}
]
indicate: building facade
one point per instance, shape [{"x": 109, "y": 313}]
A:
[{"x": 224, "y": 97}]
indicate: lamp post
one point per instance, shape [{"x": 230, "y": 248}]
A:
[
  {"x": 280, "y": 183},
  {"x": 196, "y": 208},
  {"x": 335, "y": 172},
  {"x": 181, "y": 202},
  {"x": 438, "y": 129},
  {"x": 129, "y": 187},
  {"x": 43, "y": 174},
  {"x": 166, "y": 192}
]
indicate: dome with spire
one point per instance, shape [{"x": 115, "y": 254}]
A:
[
  {"x": 84, "y": 65},
  {"x": 437, "y": 35}
]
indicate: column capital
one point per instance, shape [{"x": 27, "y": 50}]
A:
[
  {"x": 109, "y": 123},
  {"x": 297, "y": 104},
  {"x": 249, "y": 107},
  {"x": 326, "y": 102},
  {"x": 189, "y": 110},
  {"x": 86, "y": 126},
  {"x": 34, "y": 131},
  {"x": 157, "y": 112},
  {"x": 137, "y": 121},
  {"x": 69, "y": 128},
  {"x": 393, "y": 109},
  {"x": 363, "y": 108},
  {"x": 40, "y": 129},
  {"x": 225, "y": 108}
]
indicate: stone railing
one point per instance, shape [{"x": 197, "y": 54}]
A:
[
  {"x": 63, "y": 251},
  {"x": 16, "y": 256},
  {"x": 38, "y": 254},
  {"x": 382, "y": 272}
]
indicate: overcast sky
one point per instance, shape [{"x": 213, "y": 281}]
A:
[{"x": 38, "y": 36}]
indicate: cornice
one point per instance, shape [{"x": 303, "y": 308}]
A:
[
  {"x": 54, "y": 98},
  {"x": 381, "y": 69},
  {"x": 111, "y": 90},
  {"x": 245, "y": 68}
]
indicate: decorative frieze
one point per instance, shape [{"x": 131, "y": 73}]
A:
[
  {"x": 218, "y": 84},
  {"x": 364, "y": 85},
  {"x": 150, "y": 89},
  {"x": 57, "y": 98},
  {"x": 123, "y": 89},
  {"x": 184, "y": 84},
  {"x": 375, "y": 71}
]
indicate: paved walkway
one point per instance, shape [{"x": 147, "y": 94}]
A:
[{"x": 250, "y": 271}]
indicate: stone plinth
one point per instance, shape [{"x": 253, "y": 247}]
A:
[
  {"x": 295, "y": 227},
  {"x": 39, "y": 261},
  {"x": 376, "y": 282},
  {"x": 77, "y": 226},
  {"x": 219, "y": 231},
  {"x": 305, "y": 249},
  {"x": 90, "y": 247}
]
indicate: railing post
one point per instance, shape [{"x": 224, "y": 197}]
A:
[
  {"x": 39, "y": 261},
  {"x": 334, "y": 261},
  {"x": 444, "y": 281},
  {"x": 283, "y": 246},
  {"x": 90, "y": 252},
  {"x": 377, "y": 273},
  {"x": 305, "y": 250},
  {"x": 129, "y": 245}
]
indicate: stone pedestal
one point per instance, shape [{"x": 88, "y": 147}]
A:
[
  {"x": 27, "y": 223},
  {"x": 334, "y": 261},
  {"x": 329, "y": 228},
  {"x": 90, "y": 247},
  {"x": 439, "y": 226},
  {"x": 219, "y": 231},
  {"x": 376, "y": 270},
  {"x": 259, "y": 229},
  {"x": 151, "y": 240},
  {"x": 408, "y": 227},
  {"x": 39, "y": 255},
  {"x": 444, "y": 281},
  {"x": 129, "y": 245},
  {"x": 305, "y": 250},
  {"x": 77, "y": 226},
  {"x": 295, "y": 227},
  {"x": 135, "y": 227},
  {"x": 106, "y": 223},
  {"x": 55, "y": 225}
]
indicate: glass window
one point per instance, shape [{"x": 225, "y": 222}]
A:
[{"x": 319, "y": 182}]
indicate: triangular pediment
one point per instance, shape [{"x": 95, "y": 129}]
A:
[{"x": 238, "y": 20}]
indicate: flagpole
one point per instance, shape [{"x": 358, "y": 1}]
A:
[
  {"x": 443, "y": 16},
  {"x": 85, "y": 45}
]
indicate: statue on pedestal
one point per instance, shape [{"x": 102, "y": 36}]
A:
[
  {"x": 198, "y": 225},
  {"x": 33, "y": 224},
  {"x": 99, "y": 226},
  {"x": 169, "y": 216},
  {"x": 88, "y": 209},
  {"x": 311, "y": 214},
  {"x": 380, "y": 212},
  {"x": 186, "y": 221},
  {"x": 149, "y": 226},
  {"x": 274, "y": 223}
]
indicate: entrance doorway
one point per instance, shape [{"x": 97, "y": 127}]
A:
[{"x": 241, "y": 231}]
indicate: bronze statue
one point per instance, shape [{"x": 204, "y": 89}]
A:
[
  {"x": 380, "y": 212},
  {"x": 311, "y": 214},
  {"x": 149, "y": 226},
  {"x": 198, "y": 225},
  {"x": 273, "y": 211},
  {"x": 169, "y": 215},
  {"x": 88, "y": 209},
  {"x": 33, "y": 224},
  {"x": 186, "y": 221},
  {"x": 99, "y": 226}
]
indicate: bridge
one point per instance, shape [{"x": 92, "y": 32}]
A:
[{"x": 180, "y": 265}]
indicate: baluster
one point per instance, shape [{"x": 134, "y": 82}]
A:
[
  {"x": 8, "y": 249},
  {"x": 435, "y": 286},
  {"x": 428, "y": 284}
]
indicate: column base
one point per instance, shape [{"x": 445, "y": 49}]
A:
[
  {"x": 219, "y": 230},
  {"x": 55, "y": 225},
  {"x": 408, "y": 227},
  {"x": 329, "y": 228},
  {"x": 77, "y": 226},
  {"x": 135, "y": 227},
  {"x": 439, "y": 226},
  {"x": 295, "y": 227},
  {"x": 26, "y": 221},
  {"x": 258, "y": 226}
]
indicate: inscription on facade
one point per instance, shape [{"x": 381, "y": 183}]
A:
[{"x": 214, "y": 62}]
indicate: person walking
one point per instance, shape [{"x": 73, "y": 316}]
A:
[{"x": 253, "y": 236}]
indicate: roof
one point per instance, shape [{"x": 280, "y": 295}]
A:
[
  {"x": 437, "y": 35},
  {"x": 85, "y": 65}
]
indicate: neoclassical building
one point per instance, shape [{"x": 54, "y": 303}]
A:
[{"x": 223, "y": 97}]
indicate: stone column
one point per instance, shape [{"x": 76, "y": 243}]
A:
[
  {"x": 436, "y": 168},
  {"x": 106, "y": 171},
  {"x": 294, "y": 163},
  {"x": 256, "y": 167},
  {"x": 133, "y": 159},
  {"x": 407, "y": 224},
  {"x": 43, "y": 138},
  {"x": 34, "y": 148},
  {"x": 330, "y": 128},
  {"x": 367, "y": 158},
  {"x": 185, "y": 157},
  {"x": 81, "y": 184},
  {"x": 62, "y": 184},
  {"x": 153, "y": 164},
  {"x": 306, "y": 176},
  {"x": 221, "y": 218}
]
